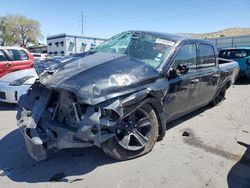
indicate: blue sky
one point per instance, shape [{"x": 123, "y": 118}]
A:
[{"x": 104, "y": 18}]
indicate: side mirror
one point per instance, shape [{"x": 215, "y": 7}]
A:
[
  {"x": 183, "y": 69},
  {"x": 172, "y": 73}
]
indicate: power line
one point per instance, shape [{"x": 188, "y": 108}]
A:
[{"x": 82, "y": 22}]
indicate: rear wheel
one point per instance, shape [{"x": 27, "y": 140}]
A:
[
  {"x": 134, "y": 136},
  {"x": 220, "y": 97}
]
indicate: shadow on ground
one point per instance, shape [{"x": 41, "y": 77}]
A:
[
  {"x": 188, "y": 116},
  {"x": 239, "y": 175},
  {"x": 242, "y": 81},
  {"x": 7, "y": 107},
  {"x": 16, "y": 164}
]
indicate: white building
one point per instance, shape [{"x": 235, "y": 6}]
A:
[{"x": 64, "y": 44}]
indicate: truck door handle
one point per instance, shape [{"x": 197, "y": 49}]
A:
[
  {"x": 195, "y": 81},
  {"x": 7, "y": 64}
]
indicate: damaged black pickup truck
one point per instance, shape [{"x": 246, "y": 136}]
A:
[{"x": 120, "y": 95}]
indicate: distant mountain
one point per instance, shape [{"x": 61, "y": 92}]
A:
[{"x": 223, "y": 33}]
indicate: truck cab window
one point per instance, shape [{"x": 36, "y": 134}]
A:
[
  {"x": 207, "y": 56},
  {"x": 186, "y": 56}
]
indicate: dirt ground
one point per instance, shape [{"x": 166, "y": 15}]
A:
[{"x": 215, "y": 154}]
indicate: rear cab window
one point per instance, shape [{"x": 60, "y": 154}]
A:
[
  {"x": 207, "y": 56},
  {"x": 18, "y": 55},
  {"x": 3, "y": 56},
  {"x": 234, "y": 53}
]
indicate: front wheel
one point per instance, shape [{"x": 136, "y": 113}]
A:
[{"x": 135, "y": 135}]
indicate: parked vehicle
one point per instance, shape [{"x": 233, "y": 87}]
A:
[
  {"x": 120, "y": 95},
  {"x": 39, "y": 56},
  {"x": 15, "y": 84},
  {"x": 241, "y": 55},
  {"x": 14, "y": 59}
]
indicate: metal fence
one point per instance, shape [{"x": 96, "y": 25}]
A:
[{"x": 235, "y": 41}]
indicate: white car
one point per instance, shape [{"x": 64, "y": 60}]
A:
[
  {"x": 15, "y": 84},
  {"x": 39, "y": 56}
]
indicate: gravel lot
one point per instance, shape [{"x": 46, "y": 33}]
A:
[{"x": 215, "y": 154}]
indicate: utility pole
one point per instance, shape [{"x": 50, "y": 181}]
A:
[{"x": 82, "y": 22}]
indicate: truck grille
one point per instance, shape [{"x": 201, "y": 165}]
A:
[{"x": 66, "y": 110}]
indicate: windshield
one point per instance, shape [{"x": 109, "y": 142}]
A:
[
  {"x": 149, "y": 49},
  {"x": 230, "y": 54}
]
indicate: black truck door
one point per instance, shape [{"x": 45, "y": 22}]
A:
[
  {"x": 209, "y": 73},
  {"x": 182, "y": 87}
]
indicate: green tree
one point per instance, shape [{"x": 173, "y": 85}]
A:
[
  {"x": 6, "y": 32},
  {"x": 17, "y": 29}
]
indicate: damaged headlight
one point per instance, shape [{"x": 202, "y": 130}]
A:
[{"x": 20, "y": 81}]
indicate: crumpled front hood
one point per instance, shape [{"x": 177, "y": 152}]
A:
[{"x": 101, "y": 76}]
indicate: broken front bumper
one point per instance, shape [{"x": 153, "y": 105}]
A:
[
  {"x": 34, "y": 146},
  {"x": 44, "y": 133},
  {"x": 47, "y": 137},
  {"x": 47, "y": 127}
]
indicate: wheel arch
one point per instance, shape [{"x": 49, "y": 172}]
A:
[
  {"x": 158, "y": 108},
  {"x": 228, "y": 84}
]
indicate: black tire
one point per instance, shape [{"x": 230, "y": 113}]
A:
[
  {"x": 220, "y": 96},
  {"x": 146, "y": 126}
]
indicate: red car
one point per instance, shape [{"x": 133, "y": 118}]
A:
[{"x": 14, "y": 59}]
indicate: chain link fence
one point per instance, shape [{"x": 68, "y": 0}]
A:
[{"x": 235, "y": 41}]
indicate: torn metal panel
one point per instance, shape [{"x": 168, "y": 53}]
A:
[
  {"x": 63, "y": 122},
  {"x": 57, "y": 118}
]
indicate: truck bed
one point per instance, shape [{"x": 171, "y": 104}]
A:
[{"x": 229, "y": 70}]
